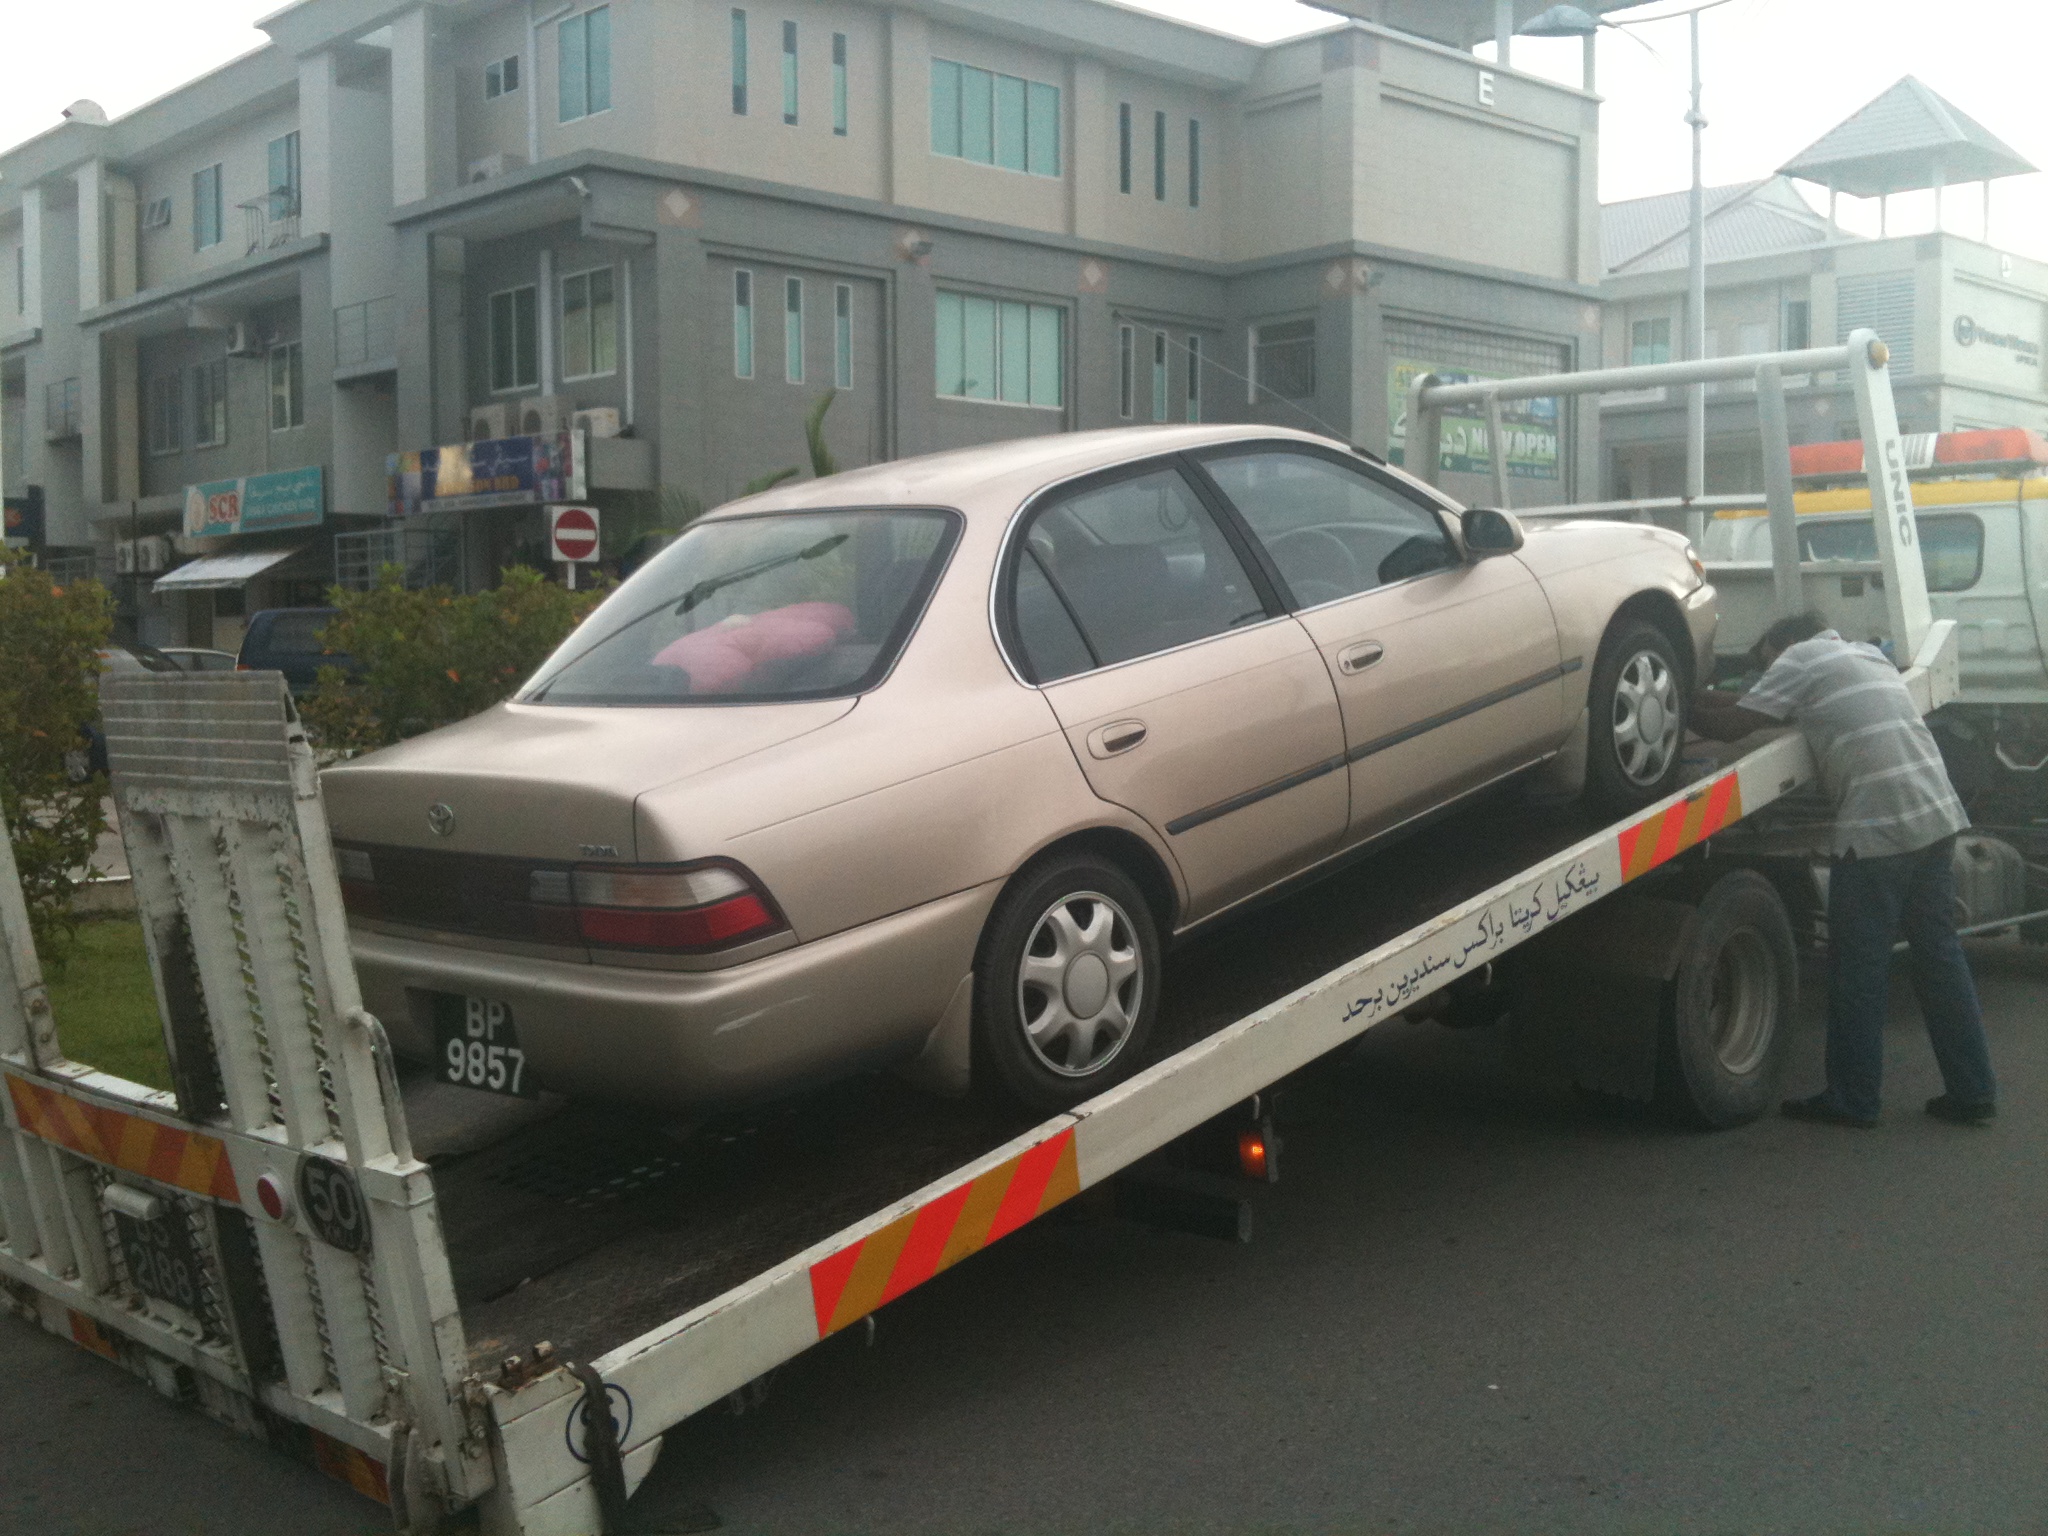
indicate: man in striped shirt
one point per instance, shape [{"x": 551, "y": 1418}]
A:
[{"x": 1896, "y": 820}]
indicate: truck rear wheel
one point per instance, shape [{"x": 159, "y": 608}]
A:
[{"x": 1728, "y": 1012}]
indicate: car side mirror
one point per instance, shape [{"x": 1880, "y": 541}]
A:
[{"x": 1488, "y": 532}]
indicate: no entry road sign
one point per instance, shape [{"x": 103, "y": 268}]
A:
[{"x": 572, "y": 534}]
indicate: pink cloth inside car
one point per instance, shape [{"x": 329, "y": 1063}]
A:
[{"x": 723, "y": 657}]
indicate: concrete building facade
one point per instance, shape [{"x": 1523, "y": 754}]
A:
[{"x": 399, "y": 229}]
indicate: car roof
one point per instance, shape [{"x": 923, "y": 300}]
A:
[{"x": 997, "y": 476}]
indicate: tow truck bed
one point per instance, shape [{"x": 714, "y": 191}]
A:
[{"x": 586, "y": 1231}]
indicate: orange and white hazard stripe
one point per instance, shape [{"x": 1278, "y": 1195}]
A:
[
  {"x": 1663, "y": 835},
  {"x": 189, "y": 1160}
]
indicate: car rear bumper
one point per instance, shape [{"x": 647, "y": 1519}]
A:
[{"x": 696, "y": 1039}]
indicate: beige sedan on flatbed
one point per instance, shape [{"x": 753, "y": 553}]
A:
[{"x": 924, "y": 764}]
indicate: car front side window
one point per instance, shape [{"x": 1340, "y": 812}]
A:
[
  {"x": 1331, "y": 530},
  {"x": 1113, "y": 572}
]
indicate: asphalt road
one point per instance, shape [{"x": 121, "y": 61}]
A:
[{"x": 1474, "y": 1304}]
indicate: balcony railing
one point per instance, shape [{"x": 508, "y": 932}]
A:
[
  {"x": 364, "y": 333},
  {"x": 270, "y": 220}
]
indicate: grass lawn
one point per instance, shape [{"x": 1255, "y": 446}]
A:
[{"x": 105, "y": 1005}]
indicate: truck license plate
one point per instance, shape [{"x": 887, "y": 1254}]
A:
[
  {"x": 161, "y": 1257},
  {"x": 478, "y": 1046}
]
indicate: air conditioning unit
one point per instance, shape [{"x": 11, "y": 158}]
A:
[
  {"x": 597, "y": 420},
  {"x": 152, "y": 554},
  {"x": 156, "y": 213},
  {"x": 491, "y": 421},
  {"x": 243, "y": 341},
  {"x": 540, "y": 415},
  {"x": 491, "y": 167},
  {"x": 124, "y": 558}
]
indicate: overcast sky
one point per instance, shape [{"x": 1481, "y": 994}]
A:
[{"x": 1779, "y": 73}]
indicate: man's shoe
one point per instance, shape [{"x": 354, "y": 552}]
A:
[
  {"x": 1961, "y": 1111},
  {"x": 1819, "y": 1110}
]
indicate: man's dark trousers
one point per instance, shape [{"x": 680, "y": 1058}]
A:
[{"x": 1869, "y": 902}]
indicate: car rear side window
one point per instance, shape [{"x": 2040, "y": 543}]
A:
[
  {"x": 1333, "y": 531},
  {"x": 782, "y": 605},
  {"x": 1115, "y": 572},
  {"x": 297, "y": 634}
]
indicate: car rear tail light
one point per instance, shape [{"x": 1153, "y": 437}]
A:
[
  {"x": 358, "y": 881},
  {"x": 691, "y": 909}
]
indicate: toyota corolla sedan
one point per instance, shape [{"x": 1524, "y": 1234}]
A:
[{"x": 925, "y": 764}]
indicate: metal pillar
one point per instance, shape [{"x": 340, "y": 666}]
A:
[
  {"x": 1891, "y": 496},
  {"x": 1696, "y": 304},
  {"x": 1787, "y": 589}
]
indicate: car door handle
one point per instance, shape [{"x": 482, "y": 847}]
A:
[
  {"x": 1356, "y": 658},
  {"x": 1118, "y": 736}
]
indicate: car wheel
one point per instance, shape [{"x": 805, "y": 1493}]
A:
[
  {"x": 1727, "y": 1019},
  {"x": 1066, "y": 984},
  {"x": 1635, "y": 719}
]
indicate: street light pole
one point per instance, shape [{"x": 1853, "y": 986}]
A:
[{"x": 1696, "y": 309}]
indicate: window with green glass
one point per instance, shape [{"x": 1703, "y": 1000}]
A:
[
  {"x": 585, "y": 76},
  {"x": 1004, "y": 350},
  {"x": 993, "y": 119}
]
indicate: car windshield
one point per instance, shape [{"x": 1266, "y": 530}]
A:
[
  {"x": 754, "y": 609},
  {"x": 298, "y": 633}
]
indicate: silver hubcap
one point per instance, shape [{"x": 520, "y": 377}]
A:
[
  {"x": 1743, "y": 1003},
  {"x": 1646, "y": 715},
  {"x": 1080, "y": 984}
]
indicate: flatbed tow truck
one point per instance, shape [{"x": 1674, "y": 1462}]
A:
[{"x": 455, "y": 1302}]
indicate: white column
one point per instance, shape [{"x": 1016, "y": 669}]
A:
[
  {"x": 544, "y": 310},
  {"x": 1504, "y": 30},
  {"x": 422, "y": 110},
  {"x": 92, "y": 230},
  {"x": 316, "y": 144},
  {"x": 31, "y": 257}
]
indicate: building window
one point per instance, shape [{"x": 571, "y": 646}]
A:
[
  {"x": 1123, "y": 146},
  {"x": 590, "y": 325},
  {"x": 586, "y": 64},
  {"x": 1126, "y": 371},
  {"x": 164, "y": 406},
  {"x": 743, "y": 325},
  {"x": 739, "y": 63},
  {"x": 515, "y": 339},
  {"x": 1798, "y": 325},
  {"x": 1159, "y": 375},
  {"x": 842, "y": 336},
  {"x": 990, "y": 349},
  {"x": 1194, "y": 378},
  {"x": 1194, "y": 163},
  {"x": 839, "y": 84},
  {"x": 789, "y": 92},
  {"x": 1284, "y": 360},
  {"x": 1649, "y": 341},
  {"x": 501, "y": 78},
  {"x": 1159, "y": 156},
  {"x": 288, "y": 386},
  {"x": 60, "y": 408},
  {"x": 284, "y": 176},
  {"x": 210, "y": 404},
  {"x": 992, "y": 119},
  {"x": 21, "y": 279},
  {"x": 206, "y": 219},
  {"x": 793, "y": 329}
]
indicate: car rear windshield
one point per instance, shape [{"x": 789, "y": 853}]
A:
[
  {"x": 296, "y": 634},
  {"x": 783, "y": 605}
]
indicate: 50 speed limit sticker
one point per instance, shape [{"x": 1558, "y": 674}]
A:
[{"x": 333, "y": 1204}]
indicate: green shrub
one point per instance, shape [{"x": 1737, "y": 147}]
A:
[
  {"x": 50, "y": 638},
  {"x": 430, "y": 657}
]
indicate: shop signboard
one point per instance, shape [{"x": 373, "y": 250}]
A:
[
  {"x": 285, "y": 498},
  {"x": 1530, "y": 426},
  {"x": 497, "y": 472}
]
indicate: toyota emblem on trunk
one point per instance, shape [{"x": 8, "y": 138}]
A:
[{"x": 441, "y": 817}]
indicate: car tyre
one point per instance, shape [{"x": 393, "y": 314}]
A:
[
  {"x": 1635, "y": 719},
  {"x": 1066, "y": 984},
  {"x": 1727, "y": 1015}
]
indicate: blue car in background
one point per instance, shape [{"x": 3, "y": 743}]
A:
[{"x": 287, "y": 640}]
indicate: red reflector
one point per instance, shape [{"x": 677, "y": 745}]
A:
[
  {"x": 1251, "y": 1154},
  {"x": 692, "y": 928}
]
